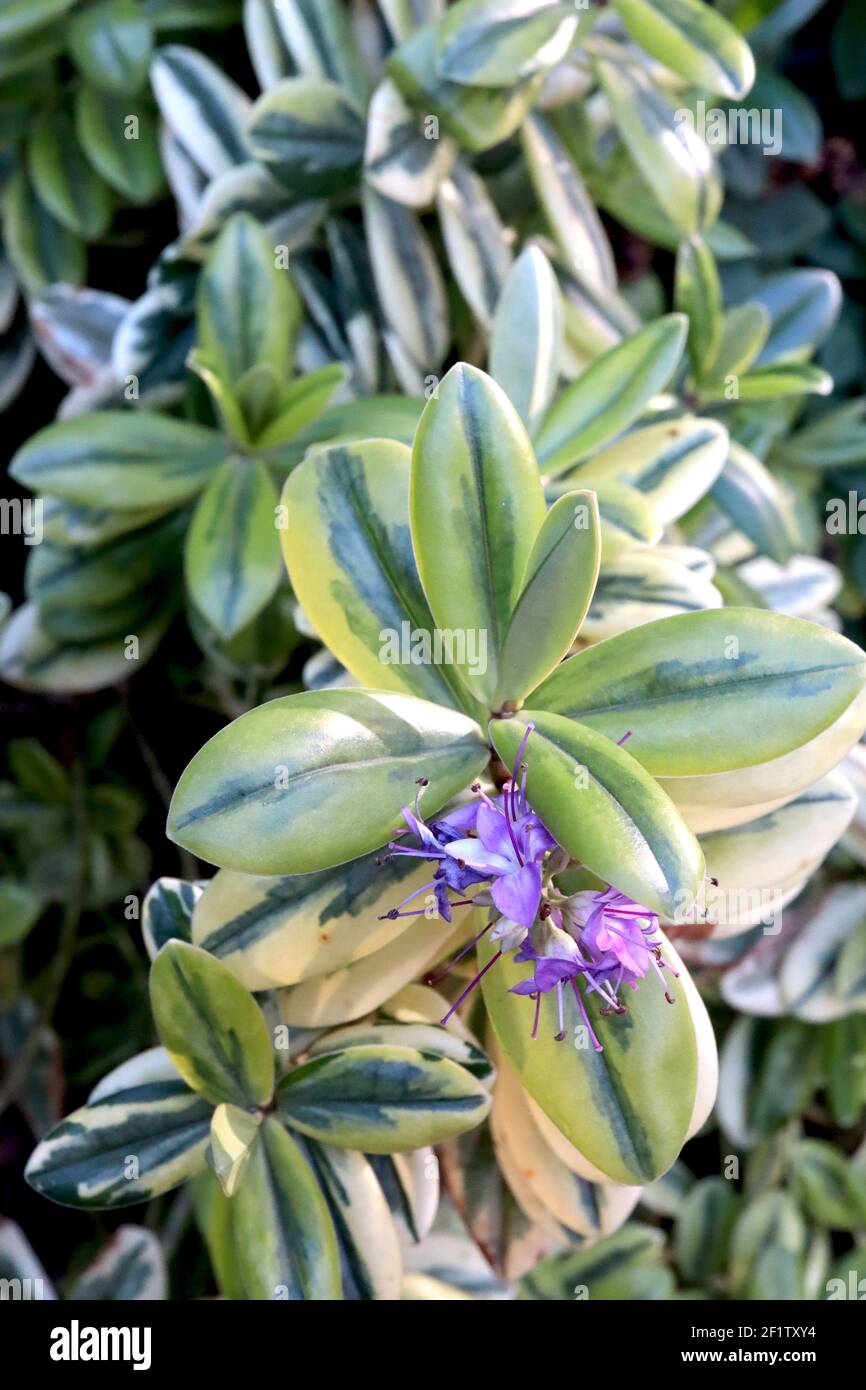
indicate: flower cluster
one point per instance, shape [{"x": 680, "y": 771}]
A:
[{"x": 596, "y": 942}]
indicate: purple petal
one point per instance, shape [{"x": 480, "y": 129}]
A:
[
  {"x": 462, "y": 820},
  {"x": 518, "y": 894},
  {"x": 473, "y": 853},
  {"x": 493, "y": 832}
]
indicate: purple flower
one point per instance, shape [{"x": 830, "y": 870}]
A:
[
  {"x": 609, "y": 940},
  {"x": 498, "y": 841}
]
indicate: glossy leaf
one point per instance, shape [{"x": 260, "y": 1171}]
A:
[
  {"x": 475, "y": 485},
  {"x": 381, "y": 1099},
  {"x": 691, "y": 39},
  {"x": 495, "y": 43},
  {"x": 560, "y": 580},
  {"x": 698, "y": 295},
  {"x": 478, "y": 117},
  {"x": 129, "y": 460},
  {"x": 63, "y": 179},
  {"x": 283, "y": 1236},
  {"x": 232, "y": 556},
  {"x": 370, "y": 1249},
  {"x": 277, "y": 931},
  {"x": 696, "y": 705},
  {"x": 670, "y": 155},
  {"x": 569, "y": 209},
  {"x": 526, "y": 335},
  {"x": 399, "y": 161},
  {"x": 409, "y": 284},
  {"x": 84, "y": 1162},
  {"x": 602, "y": 807},
  {"x": 166, "y": 913},
  {"x": 476, "y": 240},
  {"x": 627, "y": 1108},
  {"x": 610, "y": 394},
  {"x": 348, "y": 550},
  {"x": 111, "y": 44},
  {"x": 211, "y": 1027},
  {"x": 248, "y": 310},
  {"x": 672, "y": 464},
  {"x": 309, "y": 134},
  {"x": 205, "y": 110},
  {"x": 251, "y": 798}
]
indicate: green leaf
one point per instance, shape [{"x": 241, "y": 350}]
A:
[
  {"x": 123, "y": 1149},
  {"x": 131, "y": 1266},
  {"x": 299, "y": 404},
  {"x": 309, "y": 134},
  {"x": 123, "y": 569},
  {"x": 610, "y": 394},
  {"x": 166, "y": 913},
  {"x": 233, "y": 1134},
  {"x": 642, "y": 586},
  {"x": 771, "y": 383},
  {"x": 371, "y": 1254},
  {"x": 623, "y": 1266},
  {"x": 42, "y": 250},
  {"x": 348, "y": 550},
  {"x": 526, "y": 335},
  {"x": 251, "y": 799},
  {"x": 277, "y": 931},
  {"x": 837, "y": 439},
  {"x": 560, "y": 581},
  {"x": 381, "y": 1099},
  {"x": 399, "y": 161},
  {"x": 626, "y": 1109},
  {"x": 767, "y": 1251},
  {"x": 248, "y": 309},
  {"x": 628, "y": 519},
  {"x": 476, "y": 505},
  {"x": 745, "y": 330},
  {"x": 477, "y": 117},
  {"x": 671, "y": 464},
  {"x": 803, "y": 306},
  {"x": 495, "y": 43},
  {"x": 428, "y": 1038},
  {"x": 569, "y": 209},
  {"x": 20, "y": 910},
  {"x": 31, "y": 659},
  {"x": 824, "y": 1182},
  {"x": 320, "y": 38},
  {"x": 364, "y": 985},
  {"x": 698, "y": 295},
  {"x": 211, "y": 1027},
  {"x": 63, "y": 179},
  {"x": 284, "y": 1239},
  {"x": 781, "y": 846},
  {"x": 710, "y": 692},
  {"x": 476, "y": 241},
  {"x": 205, "y": 110},
  {"x": 670, "y": 155},
  {"x": 749, "y": 494},
  {"x": 409, "y": 284},
  {"x": 703, "y": 1230},
  {"x": 126, "y": 460},
  {"x": 232, "y": 559},
  {"x": 601, "y": 806},
  {"x": 691, "y": 39},
  {"x": 18, "y": 17},
  {"x": 111, "y": 43},
  {"x": 126, "y": 156}
]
